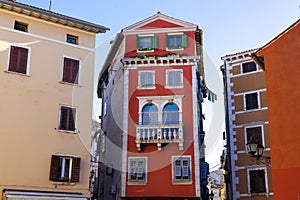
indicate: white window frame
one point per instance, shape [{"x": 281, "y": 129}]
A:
[
  {"x": 148, "y": 35},
  {"x": 62, "y": 172},
  {"x": 167, "y": 78},
  {"x": 266, "y": 179},
  {"x": 248, "y": 61},
  {"x": 173, "y": 49},
  {"x": 181, "y": 181},
  {"x": 140, "y": 86},
  {"x": 258, "y": 101},
  {"x": 62, "y": 70},
  {"x": 75, "y": 119},
  {"x": 262, "y": 134},
  {"x": 28, "y": 59},
  {"x": 137, "y": 159}
]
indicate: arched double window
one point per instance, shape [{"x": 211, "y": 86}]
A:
[
  {"x": 171, "y": 114},
  {"x": 149, "y": 114}
]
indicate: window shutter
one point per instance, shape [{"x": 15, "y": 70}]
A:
[
  {"x": 142, "y": 79},
  {"x": 137, "y": 42},
  {"x": 18, "y": 59},
  {"x": 184, "y": 41},
  {"x": 140, "y": 172},
  {"x": 63, "y": 118},
  {"x": 74, "y": 69},
  {"x": 170, "y": 78},
  {"x": 178, "y": 168},
  {"x": 167, "y": 41},
  {"x": 67, "y": 70},
  {"x": 178, "y": 78},
  {"x": 155, "y": 42},
  {"x": 75, "y": 170},
  {"x": 71, "y": 118},
  {"x": 54, "y": 171}
]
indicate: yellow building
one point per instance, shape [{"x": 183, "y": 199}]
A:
[{"x": 46, "y": 76}]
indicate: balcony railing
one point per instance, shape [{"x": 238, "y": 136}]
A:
[{"x": 159, "y": 134}]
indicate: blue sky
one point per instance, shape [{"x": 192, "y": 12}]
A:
[{"x": 229, "y": 26}]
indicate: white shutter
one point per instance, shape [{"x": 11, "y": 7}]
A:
[
  {"x": 174, "y": 78},
  {"x": 177, "y": 168},
  {"x": 146, "y": 79},
  {"x": 185, "y": 167}
]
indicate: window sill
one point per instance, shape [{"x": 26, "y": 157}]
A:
[
  {"x": 144, "y": 51},
  {"x": 136, "y": 183},
  {"x": 260, "y": 194},
  {"x": 72, "y": 84},
  {"x": 174, "y": 87},
  {"x": 17, "y": 73},
  {"x": 66, "y": 131},
  {"x": 145, "y": 88},
  {"x": 182, "y": 182},
  {"x": 175, "y": 49},
  {"x": 63, "y": 183}
]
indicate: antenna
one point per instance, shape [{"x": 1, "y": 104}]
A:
[{"x": 50, "y": 5}]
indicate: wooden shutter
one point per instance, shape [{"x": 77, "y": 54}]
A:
[
  {"x": 71, "y": 118},
  {"x": 185, "y": 168},
  {"x": 255, "y": 133},
  {"x": 75, "y": 173},
  {"x": 18, "y": 59},
  {"x": 257, "y": 181},
  {"x": 146, "y": 79},
  {"x": 54, "y": 168},
  {"x": 184, "y": 41},
  {"x": 70, "y": 71},
  {"x": 177, "y": 168},
  {"x": 155, "y": 42},
  {"x": 67, "y": 118}
]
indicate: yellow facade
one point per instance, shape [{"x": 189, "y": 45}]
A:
[{"x": 30, "y": 103}]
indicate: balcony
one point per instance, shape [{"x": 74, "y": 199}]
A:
[{"x": 159, "y": 134}]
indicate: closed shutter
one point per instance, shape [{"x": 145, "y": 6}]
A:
[
  {"x": 146, "y": 79},
  {"x": 18, "y": 60},
  {"x": 185, "y": 168},
  {"x": 177, "y": 169},
  {"x": 75, "y": 176},
  {"x": 257, "y": 181},
  {"x": 67, "y": 118},
  {"x": 174, "y": 78},
  {"x": 54, "y": 169},
  {"x": 70, "y": 71}
]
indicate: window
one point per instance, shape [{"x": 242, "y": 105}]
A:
[
  {"x": 20, "y": 26},
  {"x": 251, "y": 101},
  {"x": 174, "y": 78},
  {"x": 72, "y": 39},
  {"x": 178, "y": 41},
  {"x": 146, "y": 79},
  {"x": 70, "y": 71},
  {"x": 181, "y": 169},
  {"x": 248, "y": 67},
  {"x": 65, "y": 169},
  {"x": 254, "y": 133},
  {"x": 18, "y": 60},
  {"x": 149, "y": 114},
  {"x": 67, "y": 118},
  {"x": 137, "y": 170},
  {"x": 171, "y": 114},
  {"x": 146, "y": 43},
  {"x": 257, "y": 181}
]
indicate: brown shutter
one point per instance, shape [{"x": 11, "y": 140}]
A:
[
  {"x": 71, "y": 69},
  {"x": 18, "y": 59},
  {"x": 75, "y": 170},
  {"x": 54, "y": 169},
  {"x": 66, "y": 71},
  {"x": 63, "y": 118},
  {"x": 71, "y": 119}
]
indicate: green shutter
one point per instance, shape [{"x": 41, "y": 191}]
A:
[
  {"x": 154, "y": 42},
  {"x": 137, "y": 42},
  {"x": 167, "y": 41},
  {"x": 184, "y": 43}
]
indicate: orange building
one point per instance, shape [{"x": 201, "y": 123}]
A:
[{"x": 281, "y": 60}]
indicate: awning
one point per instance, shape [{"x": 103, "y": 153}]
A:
[{"x": 26, "y": 195}]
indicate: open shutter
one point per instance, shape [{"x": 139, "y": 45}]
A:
[
  {"x": 167, "y": 41},
  {"x": 184, "y": 41},
  {"x": 155, "y": 42},
  {"x": 137, "y": 42},
  {"x": 54, "y": 170},
  {"x": 75, "y": 170}
]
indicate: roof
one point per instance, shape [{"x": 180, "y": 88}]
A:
[
  {"x": 239, "y": 53},
  {"x": 51, "y": 16},
  {"x": 163, "y": 17},
  {"x": 278, "y": 36}
]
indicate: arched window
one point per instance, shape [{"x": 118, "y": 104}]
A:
[
  {"x": 149, "y": 114},
  {"x": 171, "y": 114}
]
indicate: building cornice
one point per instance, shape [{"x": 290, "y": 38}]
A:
[{"x": 50, "y": 16}]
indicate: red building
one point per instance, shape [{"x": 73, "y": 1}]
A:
[
  {"x": 152, "y": 87},
  {"x": 280, "y": 59}
]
